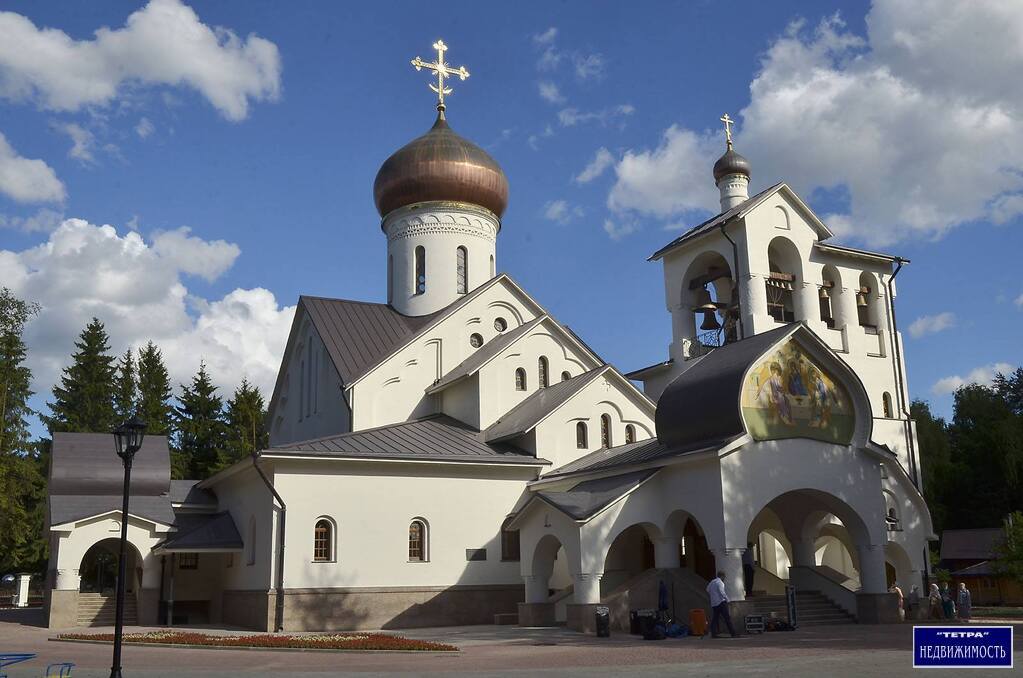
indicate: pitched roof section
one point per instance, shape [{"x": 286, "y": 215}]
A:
[
  {"x": 632, "y": 454},
  {"x": 531, "y": 411},
  {"x": 186, "y": 492},
  {"x": 86, "y": 463},
  {"x": 434, "y": 438},
  {"x": 715, "y": 221},
  {"x": 484, "y": 354},
  {"x": 66, "y": 508},
  {"x": 970, "y": 544},
  {"x": 358, "y": 334},
  {"x": 204, "y": 533},
  {"x": 588, "y": 498}
]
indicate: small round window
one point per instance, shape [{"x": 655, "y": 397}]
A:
[
  {"x": 500, "y": 324},
  {"x": 475, "y": 340}
]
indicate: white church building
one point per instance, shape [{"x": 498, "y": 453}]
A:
[{"x": 457, "y": 455}]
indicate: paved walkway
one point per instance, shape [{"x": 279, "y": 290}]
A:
[{"x": 848, "y": 650}]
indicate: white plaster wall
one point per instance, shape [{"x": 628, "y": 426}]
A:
[
  {"x": 462, "y": 400},
  {"x": 395, "y": 390},
  {"x": 71, "y": 546},
  {"x": 440, "y": 228},
  {"x": 202, "y": 583},
  {"x": 556, "y": 435},
  {"x": 245, "y": 496},
  {"x": 372, "y": 504}
]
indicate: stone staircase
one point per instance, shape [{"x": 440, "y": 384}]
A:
[
  {"x": 96, "y": 609},
  {"x": 812, "y": 609}
]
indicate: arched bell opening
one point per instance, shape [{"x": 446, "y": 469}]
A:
[
  {"x": 709, "y": 301},
  {"x": 784, "y": 276}
]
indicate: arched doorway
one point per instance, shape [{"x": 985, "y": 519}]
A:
[{"x": 98, "y": 584}]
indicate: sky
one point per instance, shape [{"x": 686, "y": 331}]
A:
[{"x": 185, "y": 171}]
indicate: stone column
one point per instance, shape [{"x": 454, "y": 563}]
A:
[
  {"x": 729, "y": 560},
  {"x": 536, "y": 611},
  {"x": 806, "y": 301},
  {"x": 581, "y": 613},
  {"x": 872, "y": 573},
  {"x": 63, "y": 609},
  {"x": 536, "y": 588},
  {"x": 666, "y": 553},
  {"x": 874, "y": 605},
  {"x": 803, "y": 553},
  {"x": 22, "y": 588}
]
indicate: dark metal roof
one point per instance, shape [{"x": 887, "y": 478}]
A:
[
  {"x": 863, "y": 254},
  {"x": 702, "y": 403},
  {"x": 656, "y": 367},
  {"x": 588, "y": 498},
  {"x": 204, "y": 532},
  {"x": 527, "y": 414},
  {"x": 440, "y": 165},
  {"x": 434, "y": 438},
  {"x": 186, "y": 492},
  {"x": 981, "y": 569},
  {"x": 87, "y": 464},
  {"x": 492, "y": 348},
  {"x": 713, "y": 222},
  {"x": 65, "y": 508},
  {"x": 730, "y": 163},
  {"x": 359, "y": 334},
  {"x": 641, "y": 452},
  {"x": 976, "y": 544}
]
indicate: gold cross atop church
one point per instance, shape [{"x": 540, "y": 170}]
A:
[
  {"x": 728, "y": 128},
  {"x": 443, "y": 70}
]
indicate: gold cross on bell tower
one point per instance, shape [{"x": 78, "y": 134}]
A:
[
  {"x": 728, "y": 128},
  {"x": 443, "y": 70}
]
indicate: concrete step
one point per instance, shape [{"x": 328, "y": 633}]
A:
[{"x": 506, "y": 619}]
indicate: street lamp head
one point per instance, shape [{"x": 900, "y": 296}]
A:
[{"x": 129, "y": 437}]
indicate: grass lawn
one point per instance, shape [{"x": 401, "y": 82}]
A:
[
  {"x": 324, "y": 641},
  {"x": 1005, "y": 612}
]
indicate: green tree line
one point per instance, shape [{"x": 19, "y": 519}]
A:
[{"x": 96, "y": 392}]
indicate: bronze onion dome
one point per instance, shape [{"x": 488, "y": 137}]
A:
[
  {"x": 730, "y": 163},
  {"x": 440, "y": 165}
]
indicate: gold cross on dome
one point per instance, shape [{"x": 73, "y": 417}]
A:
[
  {"x": 443, "y": 70},
  {"x": 728, "y": 128}
]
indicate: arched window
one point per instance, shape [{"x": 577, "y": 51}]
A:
[
  {"x": 462, "y": 270},
  {"x": 580, "y": 436},
  {"x": 417, "y": 541},
  {"x": 886, "y": 405},
  {"x": 867, "y": 302},
  {"x": 630, "y": 434},
  {"x": 509, "y": 542},
  {"x": 520, "y": 379},
  {"x": 301, "y": 387},
  {"x": 493, "y": 271},
  {"x": 605, "y": 430},
  {"x": 420, "y": 277},
  {"x": 323, "y": 541},
  {"x": 250, "y": 556},
  {"x": 390, "y": 278},
  {"x": 784, "y": 270},
  {"x": 542, "y": 370}
]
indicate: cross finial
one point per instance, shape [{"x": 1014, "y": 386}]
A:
[
  {"x": 443, "y": 70},
  {"x": 728, "y": 128}
]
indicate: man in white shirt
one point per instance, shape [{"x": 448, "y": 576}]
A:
[{"x": 719, "y": 605}]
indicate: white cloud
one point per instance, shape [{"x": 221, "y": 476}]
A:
[
  {"x": 588, "y": 66},
  {"x": 550, "y": 93},
  {"x": 547, "y": 37},
  {"x": 82, "y": 142},
  {"x": 144, "y": 128},
  {"x": 920, "y": 121},
  {"x": 136, "y": 289},
  {"x": 534, "y": 139},
  {"x": 164, "y": 43},
  {"x": 569, "y": 117},
  {"x": 601, "y": 161},
  {"x": 562, "y": 211},
  {"x": 618, "y": 229},
  {"x": 26, "y": 180},
  {"x": 984, "y": 375},
  {"x": 190, "y": 254},
  {"x": 1019, "y": 301},
  {"x": 43, "y": 221},
  {"x": 931, "y": 324}
]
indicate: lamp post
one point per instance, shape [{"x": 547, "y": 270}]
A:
[{"x": 128, "y": 438}]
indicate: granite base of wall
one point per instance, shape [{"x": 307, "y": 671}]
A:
[
  {"x": 62, "y": 611},
  {"x": 582, "y": 617},
  {"x": 537, "y": 614},
  {"x": 877, "y": 608},
  {"x": 248, "y": 609},
  {"x": 149, "y": 607},
  {"x": 393, "y": 607}
]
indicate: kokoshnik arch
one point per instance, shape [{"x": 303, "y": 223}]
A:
[{"x": 457, "y": 453}]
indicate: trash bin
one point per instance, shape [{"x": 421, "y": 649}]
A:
[
  {"x": 698, "y": 621},
  {"x": 603, "y": 621}
]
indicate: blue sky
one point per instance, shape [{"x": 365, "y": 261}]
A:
[{"x": 236, "y": 171}]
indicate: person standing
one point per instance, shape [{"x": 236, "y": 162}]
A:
[
  {"x": 948, "y": 604},
  {"x": 719, "y": 605},
  {"x": 934, "y": 602},
  {"x": 965, "y": 601},
  {"x": 898, "y": 592},
  {"x": 748, "y": 568}
]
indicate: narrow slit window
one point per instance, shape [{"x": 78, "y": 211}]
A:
[
  {"x": 520, "y": 379},
  {"x": 542, "y": 370},
  {"x": 630, "y": 434},
  {"x": 605, "y": 430},
  {"x": 420, "y": 263},
  {"x": 580, "y": 435},
  {"x": 323, "y": 541},
  {"x": 417, "y": 541},
  {"x": 462, "y": 270}
]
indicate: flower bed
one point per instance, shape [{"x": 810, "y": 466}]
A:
[{"x": 326, "y": 641}]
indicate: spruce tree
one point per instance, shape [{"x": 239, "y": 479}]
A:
[
  {"x": 15, "y": 377},
  {"x": 154, "y": 392},
  {"x": 246, "y": 417},
  {"x": 84, "y": 399},
  {"x": 201, "y": 429},
  {"x": 125, "y": 388}
]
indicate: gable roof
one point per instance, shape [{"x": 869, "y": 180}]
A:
[
  {"x": 87, "y": 464},
  {"x": 590, "y": 497},
  {"x": 187, "y": 492},
  {"x": 739, "y": 212},
  {"x": 66, "y": 508},
  {"x": 535, "y": 408},
  {"x": 201, "y": 532},
  {"x": 434, "y": 438},
  {"x": 976, "y": 544},
  {"x": 484, "y": 354}
]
